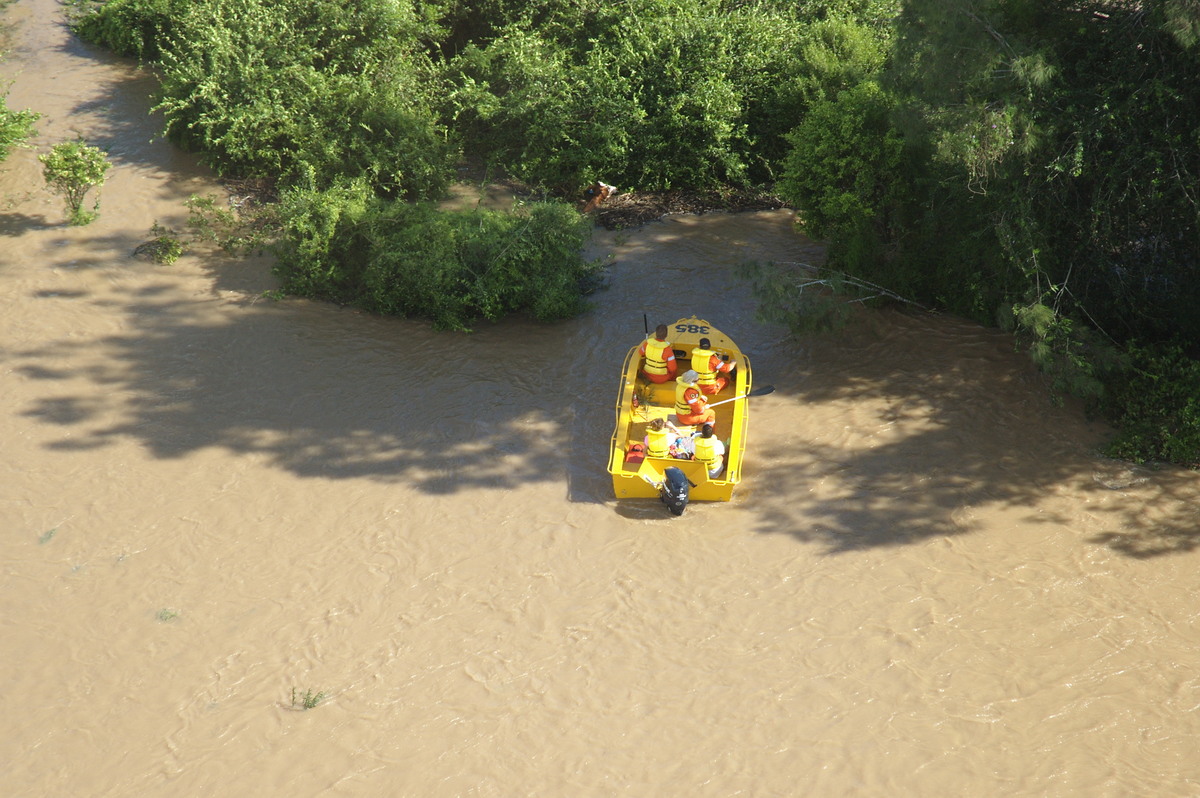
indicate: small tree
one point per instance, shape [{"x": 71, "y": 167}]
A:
[{"x": 70, "y": 170}]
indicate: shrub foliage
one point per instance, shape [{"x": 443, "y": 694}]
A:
[
  {"x": 72, "y": 169},
  {"x": 411, "y": 259},
  {"x": 975, "y": 156},
  {"x": 15, "y": 127}
]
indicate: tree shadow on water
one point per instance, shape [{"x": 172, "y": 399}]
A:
[
  {"x": 885, "y": 496},
  {"x": 902, "y": 441},
  {"x": 1155, "y": 511},
  {"x": 14, "y": 224},
  {"x": 318, "y": 391}
]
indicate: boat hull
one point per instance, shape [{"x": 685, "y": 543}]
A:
[{"x": 639, "y": 401}]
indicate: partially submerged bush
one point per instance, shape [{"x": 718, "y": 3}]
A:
[
  {"x": 452, "y": 267},
  {"x": 15, "y": 127},
  {"x": 137, "y": 28},
  {"x": 71, "y": 170}
]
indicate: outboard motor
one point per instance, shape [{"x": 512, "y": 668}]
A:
[{"x": 674, "y": 490}]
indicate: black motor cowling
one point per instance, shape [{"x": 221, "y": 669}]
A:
[{"x": 674, "y": 490}]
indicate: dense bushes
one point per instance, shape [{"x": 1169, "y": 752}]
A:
[
  {"x": 843, "y": 163},
  {"x": 1049, "y": 161},
  {"x": 1156, "y": 405},
  {"x": 333, "y": 90},
  {"x": 138, "y": 28},
  {"x": 452, "y": 267},
  {"x": 332, "y": 100},
  {"x": 655, "y": 96},
  {"x": 317, "y": 89}
]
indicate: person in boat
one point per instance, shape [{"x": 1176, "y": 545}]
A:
[
  {"x": 712, "y": 368},
  {"x": 659, "y": 354},
  {"x": 709, "y": 450},
  {"x": 661, "y": 437},
  {"x": 691, "y": 405}
]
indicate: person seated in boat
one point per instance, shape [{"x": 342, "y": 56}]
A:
[
  {"x": 711, "y": 367},
  {"x": 661, "y": 437},
  {"x": 659, "y": 354},
  {"x": 710, "y": 450},
  {"x": 691, "y": 405}
]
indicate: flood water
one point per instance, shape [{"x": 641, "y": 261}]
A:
[{"x": 211, "y": 503}]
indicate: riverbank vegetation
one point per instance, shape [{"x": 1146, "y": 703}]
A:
[{"x": 1024, "y": 164}]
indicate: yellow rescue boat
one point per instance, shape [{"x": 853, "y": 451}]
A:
[{"x": 639, "y": 401}]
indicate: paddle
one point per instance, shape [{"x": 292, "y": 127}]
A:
[{"x": 763, "y": 391}]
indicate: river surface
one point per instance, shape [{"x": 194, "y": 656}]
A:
[{"x": 211, "y": 504}]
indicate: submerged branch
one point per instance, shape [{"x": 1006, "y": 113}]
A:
[{"x": 837, "y": 281}]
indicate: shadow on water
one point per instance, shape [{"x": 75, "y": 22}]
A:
[
  {"x": 940, "y": 423},
  {"x": 14, "y": 224},
  {"x": 115, "y": 115},
  {"x": 334, "y": 394},
  {"x": 111, "y": 111},
  {"x": 1164, "y": 520},
  {"x": 319, "y": 391},
  {"x": 953, "y": 440}
]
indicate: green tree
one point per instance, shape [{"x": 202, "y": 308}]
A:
[
  {"x": 651, "y": 95},
  {"x": 1068, "y": 136},
  {"x": 316, "y": 90},
  {"x": 843, "y": 163},
  {"x": 1050, "y": 164},
  {"x": 72, "y": 169}
]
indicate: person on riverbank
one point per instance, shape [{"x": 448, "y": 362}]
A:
[
  {"x": 659, "y": 354},
  {"x": 691, "y": 405},
  {"x": 713, "y": 370}
]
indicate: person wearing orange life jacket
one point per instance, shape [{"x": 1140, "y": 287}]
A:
[
  {"x": 660, "y": 437},
  {"x": 691, "y": 406},
  {"x": 710, "y": 451},
  {"x": 660, "y": 365},
  {"x": 711, "y": 368}
]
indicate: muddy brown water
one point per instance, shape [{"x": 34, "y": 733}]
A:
[{"x": 929, "y": 584}]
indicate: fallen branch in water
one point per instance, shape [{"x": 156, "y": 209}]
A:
[
  {"x": 838, "y": 280},
  {"x": 808, "y": 298}
]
